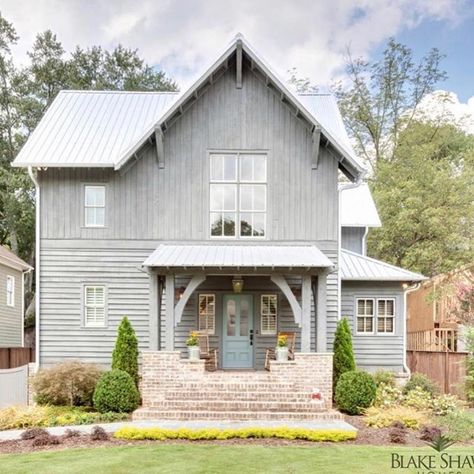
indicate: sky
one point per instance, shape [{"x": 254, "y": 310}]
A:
[{"x": 183, "y": 37}]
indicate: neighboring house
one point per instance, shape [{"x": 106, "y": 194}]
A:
[
  {"x": 432, "y": 320},
  {"x": 12, "y": 310},
  {"x": 214, "y": 210}
]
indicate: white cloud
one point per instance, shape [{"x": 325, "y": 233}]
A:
[{"x": 183, "y": 36}]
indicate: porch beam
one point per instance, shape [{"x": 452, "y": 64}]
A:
[
  {"x": 306, "y": 314},
  {"x": 321, "y": 312},
  {"x": 281, "y": 282},
  {"x": 196, "y": 280},
  {"x": 169, "y": 320}
]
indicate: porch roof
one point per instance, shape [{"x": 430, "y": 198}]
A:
[{"x": 238, "y": 256}]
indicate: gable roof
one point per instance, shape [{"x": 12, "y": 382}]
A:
[
  {"x": 358, "y": 207},
  {"x": 9, "y": 259},
  {"x": 358, "y": 267},
  {"x": 105, "y": 129}
]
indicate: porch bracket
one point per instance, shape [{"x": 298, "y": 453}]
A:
[
  {"x": 196, "y": 280},
  {"x": 316, "y": 141},
  {"x": 160, "y": 152},
  {"x": 281, "y": 282}
]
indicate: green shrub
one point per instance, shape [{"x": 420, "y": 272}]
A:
[
  {"x": 458, "y": 425},
  {"x": 418, "y": 398},
  {"x": 161, "y": 434},
  {"x": 355, "y": 391},
  {"x": 116, "y": 392},
  {"x": 423, "y": 382},
  {"x": 343, "y": 360},
  {"x": 469, "y": 382},
  {"x": 381, "y": 417},
  {"x": 67, "y": 383},
  {"x": 387, "y": 395},
  {"x": 445, "y": 404},
  {"x": 384, "y": 377},
  {"x": 125, "y": 355}
]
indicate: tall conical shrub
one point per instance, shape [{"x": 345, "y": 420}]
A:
[
  {"x": 343, "y": 354},
  {"x": 125, "y": 355}
]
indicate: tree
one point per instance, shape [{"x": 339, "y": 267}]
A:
[
  {"x": 379, "y": 99},
  {"x": 125, "y": 355},
  {"x": 425, "y": 198},
  {"x": 299, "y": 84},
  {"x": 343, "y": 359}
]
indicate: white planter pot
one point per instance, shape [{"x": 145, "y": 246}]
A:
[
  {"x": 194, "y": 353},
  {"x": 282, "y": 354}
]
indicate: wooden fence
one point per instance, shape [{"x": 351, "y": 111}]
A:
[
  {"x": 448, "y": 369},
  {"x": 11, "y": 357}
]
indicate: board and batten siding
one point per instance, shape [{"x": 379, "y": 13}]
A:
[
  {"x": 375, "y": 351},
  {"x": 352, "y": 238},
  {"x": 11, "y": 317}
]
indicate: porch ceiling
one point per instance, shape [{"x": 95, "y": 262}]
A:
[{"x": 237, "y": 256}]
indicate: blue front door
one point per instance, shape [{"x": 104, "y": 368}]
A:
[{"x": 237, "y": 348}]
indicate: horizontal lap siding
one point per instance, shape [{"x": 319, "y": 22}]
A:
[
  {"x": 376, "y": 351},
  {"x": 11, "y": 320}
]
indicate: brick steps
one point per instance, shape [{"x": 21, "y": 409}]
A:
[
  {"x": 153, "y": 414},
  {"x": 207, "y": 395}
]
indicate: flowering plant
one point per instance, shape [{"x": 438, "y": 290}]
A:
[
  {"x": 282, "y": 341},
  {"x": 193, "y": 339}
]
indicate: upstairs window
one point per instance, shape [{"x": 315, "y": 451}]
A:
[
  {"x": 268, "y": 314},
  {"x": 386, "y": 316},
  {"x": 238, "y": 195},
  {"x": 94, "y": 305},
  {"x": 207, "y": 314},
  {"x": 10, "y": 290},
  {"x": 365, "y": 316},
  {"x": 94, "y": 204}
]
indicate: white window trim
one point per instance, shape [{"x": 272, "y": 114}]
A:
[
  {"x": 238, "y": 182},
  {"x": 84, "y": 306},
  {"x": 374, "y": 316},
  {"x": 394, "y": 317},
  {"x": 206, "y": 331},
  {"x": 12, "y": 303},
  {"x": 267, "y": 332},
  {"x": 86, "y": 206}
]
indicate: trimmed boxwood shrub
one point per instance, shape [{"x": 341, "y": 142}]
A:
[
  {"x": 116, "y": 391},
  {"x": 355, "y": 391},
  {"x": 343, "y": 360}
]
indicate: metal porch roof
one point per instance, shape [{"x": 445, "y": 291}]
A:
[
  {"x": 242, "y": 256},
  {"x": 357, "y": 267}
]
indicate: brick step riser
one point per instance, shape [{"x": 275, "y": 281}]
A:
[
  {"x": 235, "y": 387},
  {"x": 239, "y": 397},
  {"x": 233, "y": 406}
]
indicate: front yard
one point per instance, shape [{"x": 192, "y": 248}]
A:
[{"x": 213, "y": 458}]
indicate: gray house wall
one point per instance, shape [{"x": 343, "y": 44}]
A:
[
  {"x": 11, "y": 318},
  {"x": 377, "y": 351},
  {"x": 147, "y": 205},
  {"x": 352, "y": 238}
]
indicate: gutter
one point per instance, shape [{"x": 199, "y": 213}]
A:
[
  {"x": 33, "y": 178},
  {"x": 408, "y": 290}
]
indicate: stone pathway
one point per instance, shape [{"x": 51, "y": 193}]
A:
[{"x": 194, "y": 424}]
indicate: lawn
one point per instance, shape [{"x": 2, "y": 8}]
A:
[{"x": 208, "y": 458}]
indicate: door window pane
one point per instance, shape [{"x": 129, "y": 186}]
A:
[
  {"x": 231, "y": 317},
  {"x": 244, "y": 317}
]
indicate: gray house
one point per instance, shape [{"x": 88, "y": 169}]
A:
[
  {"x": 214, "y": 210},
  {"x": 12, "y": 308}
]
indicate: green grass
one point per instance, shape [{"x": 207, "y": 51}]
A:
[{"x": 208, "y": 458}]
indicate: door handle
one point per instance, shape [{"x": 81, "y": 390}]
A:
[{"x": 251, "y": 337}]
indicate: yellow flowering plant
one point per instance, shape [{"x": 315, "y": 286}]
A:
[
  {"x": 282, "y": 341},
  {"x": 193, "y": 339}
]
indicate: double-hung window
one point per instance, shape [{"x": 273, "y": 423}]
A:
[
  {"x": 365, "y": 315},
  {"x": 381, "y": 310},
  {"x": 207, "y": 313},
  {"x": 10, "y": 290},
  {"x": 238, "y": 195},
  {"x": 94, "y": 205},
  {"x": 94, "y": 305},
  {"x": 386, "y": 316},
  {"x": 268, "y": 314}
]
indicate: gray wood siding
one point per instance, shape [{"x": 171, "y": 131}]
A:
[
  {"x": 11, "y": 318},
  {"x": 378, "y": 351},
  {"x": 352, "y": 238}
]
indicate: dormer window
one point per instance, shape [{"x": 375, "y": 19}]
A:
[{"x": 238, "y": 195}]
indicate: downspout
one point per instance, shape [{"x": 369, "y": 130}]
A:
[
  {"x": 409, "y": 289},
  {"x": 37, "y": 263}
]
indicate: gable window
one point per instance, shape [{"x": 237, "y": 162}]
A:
[
  {"x": 386, "y": 316},
  {"x": 94, "y": 305},
  {"x": 10, "y": 290},
  {"x": 268, "y": 315},
  {"x": 238, "y": 195},
  {"x": 94, "y": 205},
  {"x": 207, "y": 313},
  {"x": 365, "y": 316}
]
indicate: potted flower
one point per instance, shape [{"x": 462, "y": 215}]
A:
[
  {"x": 193, "y": 346},
  {"x": 282, "y": 348}
]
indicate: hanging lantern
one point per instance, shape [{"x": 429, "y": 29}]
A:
[{"x": 237, "y": 284}]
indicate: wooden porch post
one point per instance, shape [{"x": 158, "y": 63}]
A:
[
  {"x": 154, "y": 310},
  {"x": 169, "y": 320},
  {"x": 306, "y": 314},
  {"x": 321, "y": 313}
]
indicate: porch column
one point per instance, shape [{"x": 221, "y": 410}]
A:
[
  {"x": 154, "y": 311},
  {"x": 321, "y": 313},
  {"x": 169, "y": 319},
  {"x": 306, "y": 314}
]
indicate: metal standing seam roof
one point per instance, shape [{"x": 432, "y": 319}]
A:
[
  {"x": 358, "y": 208},
  {"x": 361, "y": 268},
  {"x": 9, "y": 259},
  {"x": 250, "y": 256}
]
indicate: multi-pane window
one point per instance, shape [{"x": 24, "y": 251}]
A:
[
  {"x": 10, "y": 290},
  {"x": 94, "y": 305},
  {"x": 238, "y": 195},
  {"x": 365, "y": 315},
  {"x": 268, "y": 314},
  {"x": 94, "y": 205},
  {"x": 385, "y": 315},
  {"x": 207, "y": 313}
]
